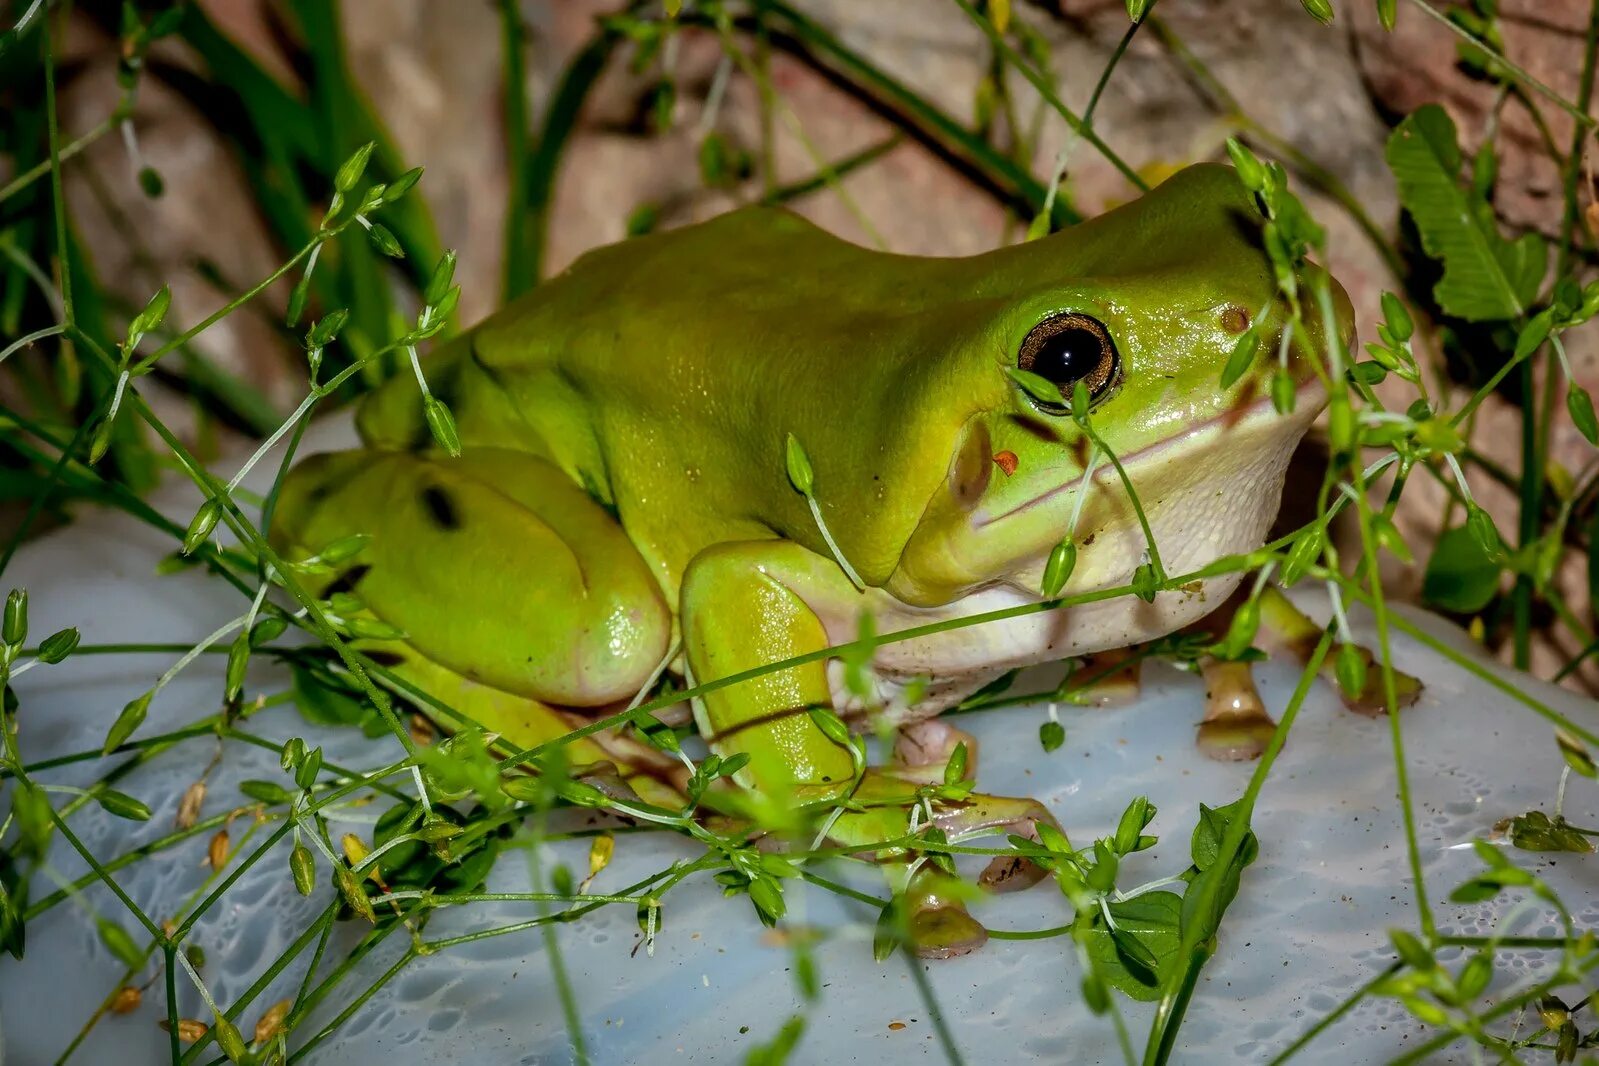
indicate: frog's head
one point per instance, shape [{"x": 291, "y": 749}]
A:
[{"x": 1144, "y": 305}]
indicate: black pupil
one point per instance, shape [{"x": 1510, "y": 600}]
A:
[{"x": 1068, "y": 356}]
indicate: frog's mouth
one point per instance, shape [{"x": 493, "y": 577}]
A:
[{"x": 1258, "y": 423}]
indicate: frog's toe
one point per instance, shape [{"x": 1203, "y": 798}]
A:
[
  {"x": 938, "y": 925},
  {"x": 1006, "y": 873},
  {"x": 1371, "y": 700},
  {"x": 1236, "y": 726},
  {"x": 1107, "y": 679},
  {"x": 922, "y": 750},
  {"x": 1241, "y": 740}
]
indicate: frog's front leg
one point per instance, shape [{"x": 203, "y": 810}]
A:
[{"x": 746, "y": 605}]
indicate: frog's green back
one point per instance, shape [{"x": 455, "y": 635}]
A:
[{"x": 665, "y": 372}]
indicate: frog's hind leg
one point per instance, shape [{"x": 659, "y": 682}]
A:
[
  {"x": 618, "y": 765},
  {"x": 519, "y": 595}
]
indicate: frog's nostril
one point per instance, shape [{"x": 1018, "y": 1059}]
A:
[{"x": 1235, "y": 320}]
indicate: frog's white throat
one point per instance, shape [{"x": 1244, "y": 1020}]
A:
[{"x": 1211, "y": 493}]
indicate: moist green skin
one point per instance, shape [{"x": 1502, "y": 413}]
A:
[{"x": 663, "y": 375}]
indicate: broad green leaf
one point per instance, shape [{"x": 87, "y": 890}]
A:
[
  {"x": 1460, "y": 576},
  {"x": 1137, "y": 961},
  {"x": 1485, "y": 277}
]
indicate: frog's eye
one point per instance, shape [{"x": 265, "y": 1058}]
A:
[{"x": 1068, "y": 348}]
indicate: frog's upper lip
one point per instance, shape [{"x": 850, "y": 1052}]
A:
[{"x": 1310, "y": 398}]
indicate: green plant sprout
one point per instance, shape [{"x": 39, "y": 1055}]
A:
[{"x": 95, "y": 436}]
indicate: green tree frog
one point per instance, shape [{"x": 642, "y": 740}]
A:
[{"x": 622, "y": 502}]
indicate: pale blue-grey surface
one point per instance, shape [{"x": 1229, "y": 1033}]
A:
[{"x": 1309, "y": 925}]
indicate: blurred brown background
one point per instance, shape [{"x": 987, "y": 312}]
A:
[{"x": 1206, "y": 69}]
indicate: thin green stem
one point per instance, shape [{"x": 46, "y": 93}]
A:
[
  {"x": 41, "y": 168},
  {"x": 1582, "y": 117}
]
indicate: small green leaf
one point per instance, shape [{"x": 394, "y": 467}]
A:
[
  {"x": 302, "y": 867},
  {"x": 1411, "y": 950},
  {"x": 14, "y": 628},
  {"x": 1243, "y": 355},
  {"x": 800, "y": 473},
  {"x": 1144, "y": 583},
  {"x": 1095, "y": 996},
  {"x": 131, "y": 718},
  {"x": 1241, "y": 631},
  {"x": 831, "y": 725},
  {"x": 13, "y": 932},
  {"x": 1481, "y": 525},
  {"x": 1576, "y": 754},
  {"x": 267, "y": 630},
  {"x": 121, "y": 943},
  {"x": 1303, "y": 555},
  {"x": 384, "y": 241},
  {"x": 1320, "y": 10},
  {"x": 101, "y": 441},
  {"x": 229, "y": 1040},
  {"x": 1251, "y": 171},
  {"x": 305, "y": 774},
  {"x": 886, "y": 937},
  {"x": 201, "y": 525},
  {"x": 269, "y": 792},
  {"x": 1051, "y": 735},
  {"x": 1536, "y": 831},
  {"x": 1350, "y": 669},
  {"x": 1129, "y": 829},
  {"x": 1475, "y": 975},
  {"x": 366, "y": 628},
  {"x": 122, "y": 805},
  {"x": 1039, "y": 388},
  {"x": 238, "y": 663},
  {"x": 441, "y": 423},
  {"x": 402, "y": 185},
  {"x": 955, "y": 769},
  {"x": 1580, "y": 404},
  {"x": 442, "y": 278},
  {"x": 150, "y": 182},
  {"x": 1461, "y": 577},
  {"x": 327, "y": 328},
  {"x": 1058, "y": 569},
  {"x": 153, "y": 314},
  {"x": 354, "y": 895},
  {"x": 1533, "y": 334},
  {"x": 351, "y": 169},
  {"x": 767, "y": 895},
  {"x": 58, "y": 645},
  {"x": 297, "y": 300},
  {"x": 1284, "y": 392},
  {"x": 1397, "y": 316}
]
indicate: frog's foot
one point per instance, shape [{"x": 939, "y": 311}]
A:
[
  {"x": 1371, "y": 701},
  {"x": 936, "y": 921},
  {"x": 1236, "y": 726},
  {"x": 1015, "y": 816},
  {"x": 1290, "y": 628},
  {"x": 1107, "y": 678},
  {"x": 922, "y": 750}
]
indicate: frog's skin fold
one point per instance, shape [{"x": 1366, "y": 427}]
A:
[{"x": 622, "y": 492}]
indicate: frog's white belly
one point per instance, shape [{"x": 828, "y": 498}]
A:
[{"x": 1211, "y": 494}]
